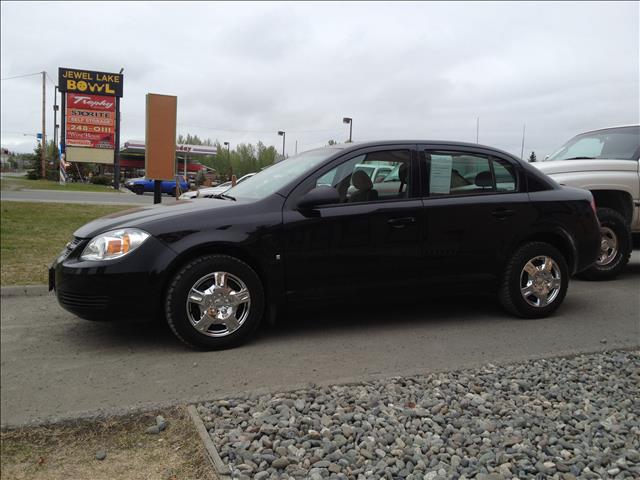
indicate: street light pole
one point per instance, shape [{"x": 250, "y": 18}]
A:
[
  {"x": 43, "y": 141},
  {"x": 283, "y": 135},
  {"x": 350, "y": 122},
  {"x": 227, "y": 144}
]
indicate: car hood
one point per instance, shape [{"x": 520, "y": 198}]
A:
[
  {"x": 568, "y": 166},
  {"x": 145, "y": 217}
]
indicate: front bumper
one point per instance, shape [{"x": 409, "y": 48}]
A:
[{"x": 125, "y": 288}]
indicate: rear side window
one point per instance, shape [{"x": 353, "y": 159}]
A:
[
  {"x": 505, "y": 178},
  {"x": 461, "y": 173}
]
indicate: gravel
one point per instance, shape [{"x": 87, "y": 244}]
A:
[{"x": 561, "y": 418}]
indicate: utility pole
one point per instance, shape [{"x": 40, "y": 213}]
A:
[
  {"x": 43, "y": 157},
  {"x": 55, "y": 118},
  {"x": 55, "y": 128},
  {"x": 477, "y": 129},
  {"x": 296, "y": 147},
  {"x": 522, "y": 151}
]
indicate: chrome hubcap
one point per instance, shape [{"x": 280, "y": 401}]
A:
[
  {"x": 608, "y": 246},
  {"x": 218, "y": 304},
  {"x": 540, "y": 281}
]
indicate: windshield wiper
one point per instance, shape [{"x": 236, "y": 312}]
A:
[
  {"x": 581, "y": 158},
  {"x": 223, "y": 195}
]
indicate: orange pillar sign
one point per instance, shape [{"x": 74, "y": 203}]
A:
[{"x": 160, "y": 137}]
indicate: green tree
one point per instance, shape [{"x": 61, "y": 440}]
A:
[
  {"x": 532, "y": 157},
  {"x": 34, "y": 162},
  {"x": 266, "y": 155},
  {"x": 34, "y": 171}
]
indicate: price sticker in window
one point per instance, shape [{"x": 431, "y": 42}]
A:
[{"x": 440, "y": 177}]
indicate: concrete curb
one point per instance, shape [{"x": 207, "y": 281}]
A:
[
  {"x": 222, "y": 471},
  {"x": 24, "y": 291}
]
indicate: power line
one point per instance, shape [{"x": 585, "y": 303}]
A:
[
  {"x": 21, "y": 76},
  {"x": 16, "y": 133},
  {"x": 31, "y": 75},
  {"x": 50, "y": 79}
]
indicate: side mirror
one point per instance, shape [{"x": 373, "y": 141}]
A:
[{"x": 322, "y": 195}]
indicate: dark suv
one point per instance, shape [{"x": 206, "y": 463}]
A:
[{"x": 315, "y": 226}]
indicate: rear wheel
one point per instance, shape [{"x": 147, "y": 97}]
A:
[
  {"x": 535, "y": 281},
  {"x": 138, "y": 189},
  {"x": 615, "y": 246},
  {"x": 214, "y": 302}
]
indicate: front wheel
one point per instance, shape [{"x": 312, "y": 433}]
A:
[
  {"x": 535, "y": 281},
  {"x": 615, "y": 246},
  {"x": 214, "y": 302},
  {"x": 138, "y": 189}
]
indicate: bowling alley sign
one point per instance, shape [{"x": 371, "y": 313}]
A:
[{"x": 91, "y": 107}]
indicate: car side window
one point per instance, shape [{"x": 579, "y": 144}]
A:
[
  {"x": 461, "y": 173},
  {"x": 504, "y": 175},
  {"x": 370, "y": 177}
]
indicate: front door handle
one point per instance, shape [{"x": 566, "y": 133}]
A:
[
  {"x": 401, "y": 222},
  {"x": 502, "y": 213}
]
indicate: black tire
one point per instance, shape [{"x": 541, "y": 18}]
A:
[
  {"x": 510, "y": 294},
  {"x": 613, "y": 224},
  {"x": 176, "y": 301},
  {"x": 138, "y": 189},
  {"x": 172, "y": 192}
]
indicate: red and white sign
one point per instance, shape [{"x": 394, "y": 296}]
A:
[{"x": 90, "y": 121}]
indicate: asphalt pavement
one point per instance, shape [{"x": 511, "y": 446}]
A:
[
  {"x": 95, "y": 198},
  {"x": 55, "y": 366}
]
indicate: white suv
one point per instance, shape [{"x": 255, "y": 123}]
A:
[{"x": 605, "y": 162}]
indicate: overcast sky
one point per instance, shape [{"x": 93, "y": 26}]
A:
[{"x": 243, "y": 71}]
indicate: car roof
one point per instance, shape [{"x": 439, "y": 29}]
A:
[
  {"x": 610, "y": 128},
  {"x": 431, "y": 143}
]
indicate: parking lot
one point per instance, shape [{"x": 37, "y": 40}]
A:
[{"x": 56, "y": 366}]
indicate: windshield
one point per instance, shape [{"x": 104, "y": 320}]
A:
[
  {"x": 614, "y": 143},
  {"x": 269, "y": 181}
]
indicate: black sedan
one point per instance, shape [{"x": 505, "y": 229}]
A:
[{"x": 320, "y": 225}]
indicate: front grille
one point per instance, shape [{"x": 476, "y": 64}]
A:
[
  {"x": 92, "y": 302},
  {"x": 69, "y": 247}
]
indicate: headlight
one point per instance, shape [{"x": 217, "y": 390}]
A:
[{"x": 114, "y": 244}]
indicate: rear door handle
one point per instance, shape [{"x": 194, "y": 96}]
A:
[
  {"x": 400, "y": 222},
  {"x": 502, "y": 213}
]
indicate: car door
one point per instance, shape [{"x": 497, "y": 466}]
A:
[
  {"x": 368, "y": 240},
  {"x": 475, "y": 206}
]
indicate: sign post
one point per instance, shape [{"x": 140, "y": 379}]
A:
[{"x": 116, "y": 152}]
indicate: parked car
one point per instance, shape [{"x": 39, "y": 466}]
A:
[
  {"x": 605, "y": 162},
  {"x": 141, "y": 185},
  {"x": 297, "y": 231},
  {"x": 209, "y": 192}
]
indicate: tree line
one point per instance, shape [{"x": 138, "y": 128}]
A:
[{"x": 244, "y": 158}]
